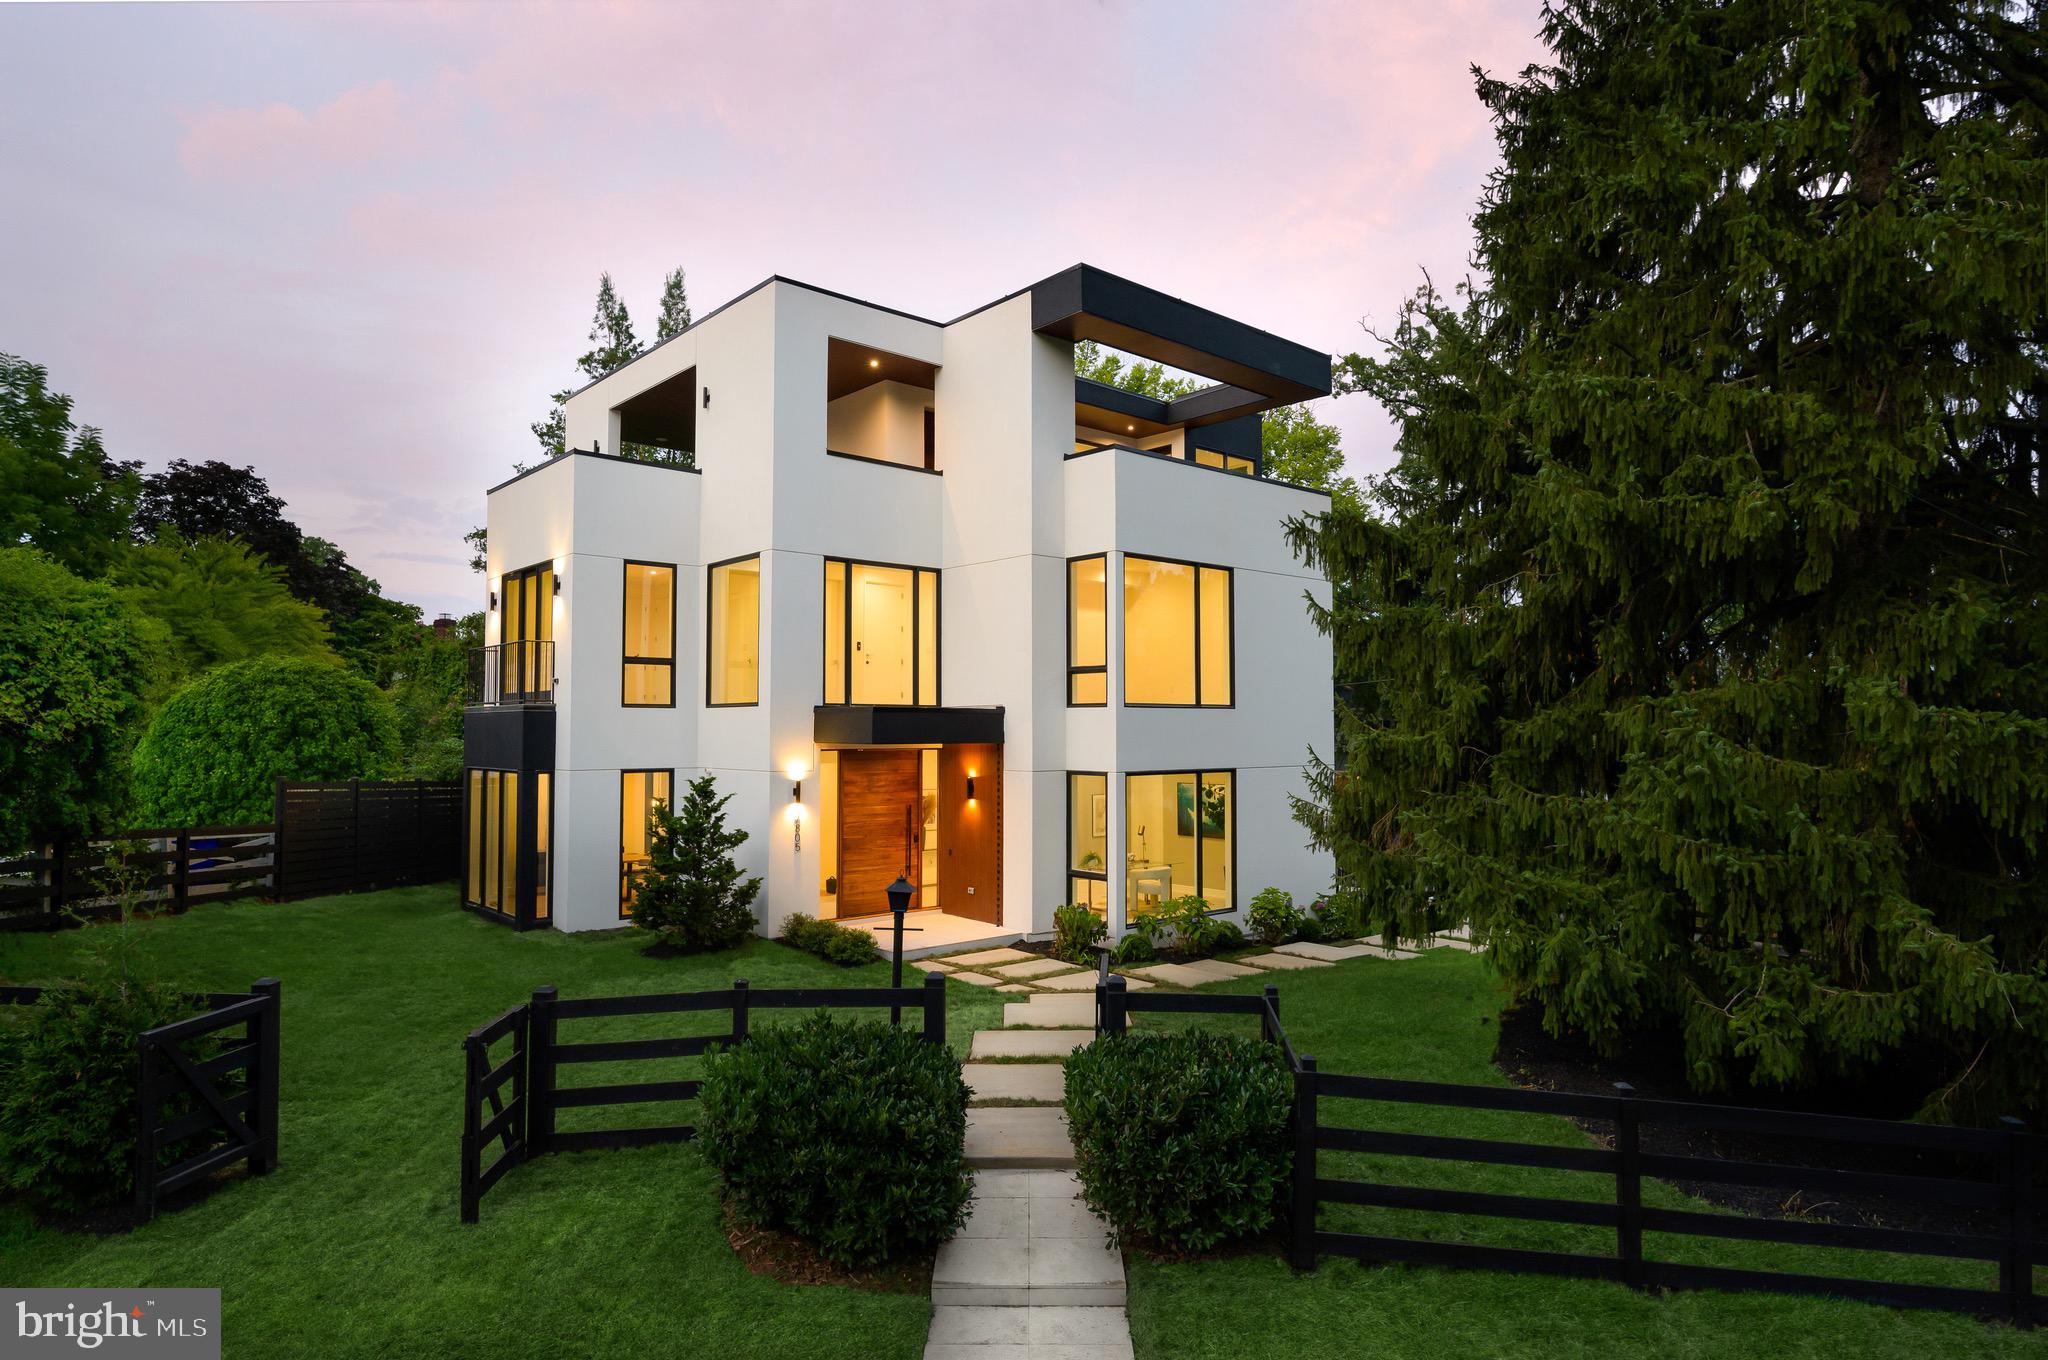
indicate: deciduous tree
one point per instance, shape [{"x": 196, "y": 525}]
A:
[{"x": 58, "y": 490}]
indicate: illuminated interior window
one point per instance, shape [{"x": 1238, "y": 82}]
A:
[
  {"x": 650, "y": 635},
  {"x": 1179, "y": 831},
  {"x": 639, "y": 791},
  {"x": 1177, "y": 633},
  {"x": 881, "y": 634},
  {"x": 735, "y": 626},
  {"x": 543, "y": 838},
  {"x": 526, "y": 630},
  {"x": 1088, "y": 631},
  {"x": 1088, "y": 841}
]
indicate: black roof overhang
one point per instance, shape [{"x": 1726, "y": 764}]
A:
[
  {"x": 904, "y": 725},
  {"x": 1086, "y": 303}
]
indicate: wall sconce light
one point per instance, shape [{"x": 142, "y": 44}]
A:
[
  {"x": 494, "y": 602},
  {"x": 797, "y": 770},
  {"x": 558, "y": 581},
  {"x": 707, "y": 398},
  {"x": 970, "y": 788}
]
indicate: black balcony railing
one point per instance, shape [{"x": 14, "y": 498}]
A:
[{"x": 512, "y": 673}]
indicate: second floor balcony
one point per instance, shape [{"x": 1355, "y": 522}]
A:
[{"x": 520, "y": 673}]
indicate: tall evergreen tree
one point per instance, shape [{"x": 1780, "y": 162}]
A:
[
  {"x": 675, "y": 308},
  {"x": 1703, "y": 616}
]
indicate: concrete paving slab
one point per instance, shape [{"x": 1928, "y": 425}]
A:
[
  {"x": 1018, "y": 1136},
  {"x": 1016, "y": 1081},
  {"x": 1015, "y": 1184},
  {"x": 1172, "y": 974},
  {"x": 1031, "y": 968},
  {"x": 1217, "y": 970},
  {"x": 1070, "y": 1217},
  {"x": 976, "y": 979},
  {"x": 1050, "y": 1010},
  {"x": 979, "y": 1327},
  {"x": 985, "y": 957},
  {"x": 932, "y": 966},
  {"x": 1332, "y": 953},
  {"x": 1279, "y": 962},
  {"x": 1083, "y": 981},
  {"x": 1024, "y": 1043},
  {"x": 981, "y": 1263},
  {"x": 1012, "y": 987},
  {"x": 1074, "y": 1263},
  {"x": 998, "y": 1218},
  {"x": 1078, "y": 1327}
]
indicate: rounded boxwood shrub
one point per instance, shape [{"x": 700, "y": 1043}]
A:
[
  {"x": 214, "y": 752},
  {"x": 1182, "y": 1140},
  {"x": 849, "y": 1135}
]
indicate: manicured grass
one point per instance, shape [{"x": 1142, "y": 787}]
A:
[
  {"x": 1434, "y": 1019},
  {"x": 352, "y": 1248}
]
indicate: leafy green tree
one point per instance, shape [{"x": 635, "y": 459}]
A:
[
  {"x": 1296, "y": 447},
  {"x": 75, "y": 663},
  {"x": 1703, "y": 611},
  {"x": 58, "y": 491},
  {"x": 675, "y": 307},
  {"x": 692, "y": 894},
  {"x": 426, "y": 690},
  {"x": 477, "y": 543},
  {"x": 214, "y": 499},
  {"x": 218, "y": 602},
  {"x": 214, "y": 752},
  {"x": 1094, "y": 362}
]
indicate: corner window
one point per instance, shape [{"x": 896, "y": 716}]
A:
[
  {"x": 649, "y": 649},
  {"x": 1088, "y": 632},
  {"x": 491, "y": 879},
  {"x": 1178, "y": 645},
  {"x": 639, "y": 791},
  {"x": 1180, "y": 837},
  {"x": 733, "y": 647},
  {"x": 1088, "y": 841},
  {"x": 881, "y": 634}
]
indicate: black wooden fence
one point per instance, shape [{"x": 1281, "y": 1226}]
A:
[
  {"x": 523, "y": 1123},
  {"x": 165, "y": 868},
  {"x": 362, "y": 834},
  {"x": 204, "y": 1098},
  {"x": 1996, "y": 1178}
]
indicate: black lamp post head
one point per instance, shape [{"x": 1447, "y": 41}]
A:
[{"x": 899, "y": 894}]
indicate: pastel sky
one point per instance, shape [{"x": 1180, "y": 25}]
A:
[{"x": 356, "y": 245}]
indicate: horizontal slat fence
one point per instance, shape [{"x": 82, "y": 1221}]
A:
[
  {"x": 1996, "y": 1175},
  {"x": 533, "y": 1069},
  {"x": 364, "y": 834},
  {"x": 164, "y": 867}
]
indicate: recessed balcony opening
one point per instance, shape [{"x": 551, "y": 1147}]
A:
[
  {"x": 880, "y": 407},
  {"x": 660, "y": 424}
]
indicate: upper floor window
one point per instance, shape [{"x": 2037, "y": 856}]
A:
[
  {"x": 1229, "y": 462},
  {"x": 880, "y": 407},
  {"x": 1088, "y": 631},
  {"x": 1178, "y": 644},
  {"x": 733, "y": 647},
  {"x": 648, "y": 652},
  {"x": 526, "y": 635},
  {"x": 881, "y": 634}
]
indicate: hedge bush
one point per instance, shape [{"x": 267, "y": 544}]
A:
[
  {"x": 850, "y": 1135},
  {"x": 838, "y": 944},
  {"x": 214, "y": 752},
  {"x": 1182, "y": 1140}
]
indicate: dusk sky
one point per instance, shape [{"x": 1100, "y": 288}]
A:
[{"x": 356, "y": 245}]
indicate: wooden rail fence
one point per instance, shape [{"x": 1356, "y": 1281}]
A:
[
  {"x": 523, "y": 1124},
  {"x": 2005, "y": 1183}
]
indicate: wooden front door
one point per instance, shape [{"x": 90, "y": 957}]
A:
[{"x": 880, "y": 827}]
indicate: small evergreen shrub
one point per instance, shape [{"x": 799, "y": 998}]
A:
[
  {"x": 1182, "y": 1140},
  {"x": 692, "y": 894},
  {"x": 1273, "y": 917},
  {"x": 1135, "y": 947},
  {"x": 838, "y": 944},
  {"x": 850, "y": 1135},
  {"x": 1075, "y": 929},
  {"x": 1342, "y": 915}
]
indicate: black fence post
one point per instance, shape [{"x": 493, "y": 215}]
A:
[
  {"x": 739, "y": 1010},
  {"x": 355, "y": 834},
  {"x": 263, "y": 1079},
  {"x": 277, "y": 841},
  {"x": 935, "y": 1008},
  {"x": 181, "y": 874},
  {"x": 419, "y": 866},
  {"x": 2016, "y": 1269},
  {"x": 145, "y": 1129},
  {"x": 1302, "y": 1212},
  {"x": 540, "y": 1114},
  {"x": 1114, "y": 1015},
  {"x": 1628, "y": 1186},
  {"x": 56, "y": 898},
  {"x": 1269, "y": 1017},
  {"x": 472, "y": 1124}
]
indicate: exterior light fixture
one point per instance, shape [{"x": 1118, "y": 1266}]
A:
[
  {"x": 1130, "y": 429},
  {"x": 970, "y": 788},
  {"x": 874, "y": 363},
  {"x": 494, "y": 602},
  {"x": 707, "y": 398},
  {"x": 558, "y": 581}
]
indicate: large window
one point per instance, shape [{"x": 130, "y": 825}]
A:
[
  {"x": 1088, "y": 631},
  {"x": 526, "y": 628},
  {"x": 1088, "y": 841},
  {"x": 1177, "y": 633},
  {"x": 492, "y": 877},
  {"x": 1180, "y": 835},
  {"x": 881, "y": 634},
  {"x": 733, "y": 647},
  {"x": 639, "y": 791},
  {"x": 649, "y": 651},
  {"x": 1229, "y": 462}
]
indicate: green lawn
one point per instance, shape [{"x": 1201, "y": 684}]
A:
[
  {"x": 352, "y": 1248},
  {"x": 1434, "y": 1019}
]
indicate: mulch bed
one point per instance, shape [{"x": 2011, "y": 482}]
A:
[
  {"x": 1654, "y": 1064},
  {"x": 791, "y": 1260}
]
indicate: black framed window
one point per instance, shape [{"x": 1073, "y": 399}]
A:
[
  {"x": 1180, "y": 838},
  {"x": 526, "y": 633},
  {"x": 648, "y": 643},
  {"x": 1088, "y": 841},
  {"x": 732, "y": 637},
  {"x": 1088, "y": 631},
  {"x": 1179, "y": 634},
  {"x": 491, "y": 870},
  {"x": 881, "y": 633},
  {"x": 639, "y": 791}
]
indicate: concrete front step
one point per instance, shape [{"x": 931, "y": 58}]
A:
[
  {"x": 1024, "y": 1043},
  {"x": 1029, "y": 1244},
  {"x": 1019, "y": 1136},
  {"x": 981, "y": 1333},
  {"x": 1041, "y": 1082}
]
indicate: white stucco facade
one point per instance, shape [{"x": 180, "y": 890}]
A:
[{"x": 1009, "y": 499}]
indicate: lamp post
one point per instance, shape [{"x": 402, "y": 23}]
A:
[{"x": 899, "y": 894}]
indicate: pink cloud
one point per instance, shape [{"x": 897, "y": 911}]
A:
[{"x": 354, "y": 128}]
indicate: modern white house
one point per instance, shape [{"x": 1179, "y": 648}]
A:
[{"x": 925, "y": 604}]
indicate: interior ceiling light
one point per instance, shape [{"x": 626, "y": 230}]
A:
[{"x": 1130, "y": 429}]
